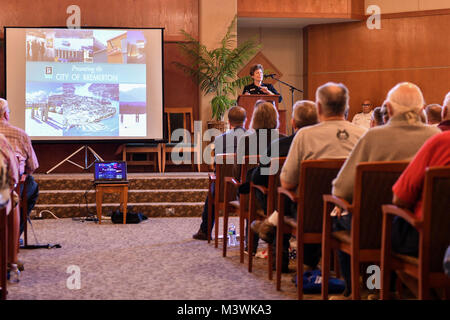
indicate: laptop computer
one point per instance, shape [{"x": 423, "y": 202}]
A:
[{"x": 110, "y": 172}]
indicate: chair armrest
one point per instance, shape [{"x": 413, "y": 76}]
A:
[
  {"x": 232, "y": 181},
  {"x": 288, "y": 193},
  {"x": 390, "y": 209},
  {"x": 338, "y": 201},
  {"x": 260, "y": 188}
]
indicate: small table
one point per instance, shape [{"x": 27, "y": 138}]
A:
[{"x": 101, "y": 189}]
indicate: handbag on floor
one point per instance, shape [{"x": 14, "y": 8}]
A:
[{"x": 132, "y": 217}]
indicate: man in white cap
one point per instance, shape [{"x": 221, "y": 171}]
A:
[{"x": 399, "y": 139}]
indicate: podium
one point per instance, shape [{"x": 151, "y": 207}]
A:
[{"x": 247, "y": 101}]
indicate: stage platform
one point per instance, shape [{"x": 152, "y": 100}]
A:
[{"x": 173, "y": 194}]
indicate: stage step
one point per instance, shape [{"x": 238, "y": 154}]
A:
[{"x": 155, "y": 195}]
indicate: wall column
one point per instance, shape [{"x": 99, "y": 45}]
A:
[{"x": 214, "y": 18}]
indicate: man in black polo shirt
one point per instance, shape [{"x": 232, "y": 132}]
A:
[{"x": 225, "y": 143}]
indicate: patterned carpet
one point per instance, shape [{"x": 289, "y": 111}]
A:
[{"x": 155, "y": 260}]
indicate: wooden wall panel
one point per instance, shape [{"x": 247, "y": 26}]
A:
[
  {"x": 173, "y": 15},
  {"x": 400, "y": 43},
  {"x": 434, "y": 84},
  {"x": 371, "y": 62},
  {"x": 179, "y": 89},
  {"x": 301, "y": 9}
]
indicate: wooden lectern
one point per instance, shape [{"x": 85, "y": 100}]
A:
[{"x": 247, "y": 101}]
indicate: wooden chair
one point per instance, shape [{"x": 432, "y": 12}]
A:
[
  {"x": 193, "y": 147},
  {"x": 316, "y": 177},
  {"x": 434, "y": 237},
  {"x": 373, "y": 187},
  {"x": 212, "y": 178},
  {"x": 131, "y": 149},
  {"x": 3, "y": 252},
  {"x": 241, "y": 206},
  {"x": 270, "y": 192},
  {"x": 225, "y": 166}
]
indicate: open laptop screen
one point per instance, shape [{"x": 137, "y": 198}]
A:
[{"x": 110, "y": 171}]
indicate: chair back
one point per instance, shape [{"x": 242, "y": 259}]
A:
[
  {"x": 373, "y": 188},
  {"x": 249, "y": 162},
  {"x": 274, "y": 182},
  {"x": 316, "y": 177},
  {"x": 177, "y": 118},
  {"x": 225, "y": 165},
  {"x": 436, "y": 216}
]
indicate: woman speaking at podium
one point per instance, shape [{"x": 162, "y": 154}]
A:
[{"x": 259, "y": 87}]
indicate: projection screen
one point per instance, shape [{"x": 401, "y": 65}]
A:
[{"x": 85, "y": 84}]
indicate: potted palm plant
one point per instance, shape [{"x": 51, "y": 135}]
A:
[{"x": 215, "y": 70}]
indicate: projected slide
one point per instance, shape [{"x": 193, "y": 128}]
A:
[{"x": 86, "y": 83}]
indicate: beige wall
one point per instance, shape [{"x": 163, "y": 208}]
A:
[
  {"x": 214, "y": 19},
  {"x": 395, "y": 6},
  {"x": 284, "y": 48}
]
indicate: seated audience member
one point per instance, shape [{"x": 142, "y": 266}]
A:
[
  {"x": 263, "y": 131},
  {"x": 377, "y": 118},
  {"x": 258, "y": 86},
  {"x": 423, "y": 116},
  {"x": 384, "y": 112},
  {"x": 447, "y": 262},
  {"x": 304, "y": 114},
  {"x": 363, "y": 118},
  {"x": 225, "y": 143},
  {"x": 408, "y": 190},
  {"x": 408, "y": 193},
  {"x": 28, "y": 163},
  {"x": 333, "y": 137},
  {"x": 399, "y": 139},
  {"x": 434, "y": 114},
  {"x": 445, "y": 124},
  {"x": 11, "y": 173},
  {"x": 5, "y": 188}
]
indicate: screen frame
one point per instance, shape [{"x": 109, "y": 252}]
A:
[{"x": 96, "y": 139}]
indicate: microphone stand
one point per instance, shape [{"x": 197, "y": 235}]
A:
[{"x": 291, "y": 87}]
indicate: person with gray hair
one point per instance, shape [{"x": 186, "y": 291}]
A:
[
  {"x": 445, "y": 124},
  {"x": 333, "y": 138},
  {"x": 434, "y": 114},
  {"x": 399, "y": 139},
  {"x": 377, "y": 118}
]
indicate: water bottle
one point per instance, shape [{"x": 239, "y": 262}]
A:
[
  {"x": 232, "y": 236},
  {"x": 14, "y": 274}
]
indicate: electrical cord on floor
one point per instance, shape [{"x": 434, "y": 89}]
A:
[
  {"x": 48, "y": 212},
  {"x": 38, "y": 245},
  {"x": 89, "y": 216}
]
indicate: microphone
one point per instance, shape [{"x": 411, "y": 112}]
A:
[{"x": 270, "y": 75}]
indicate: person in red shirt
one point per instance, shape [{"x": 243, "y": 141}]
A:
[
  {"x": 407, "y": 191},
  {"x": 408, "y": 188}
]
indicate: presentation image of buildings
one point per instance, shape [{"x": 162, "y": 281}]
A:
[{"x": 74, "y": 90}]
